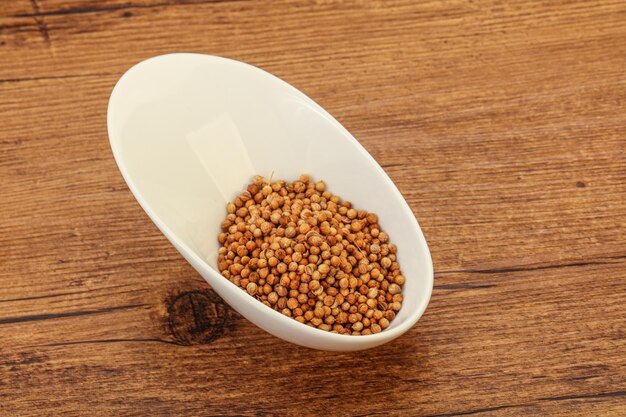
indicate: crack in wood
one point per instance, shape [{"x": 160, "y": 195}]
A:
[
  {"x": 527, "y": 268},
  {"x": 97, "y": 341},
  {"x": 586, "y": 396},
  {"x": 582, "y": 378},
  {"x": 40, "y": 317},
  {"x": 63, "y": 294},
  {"x": 95, "y": 9},
  {"x": 53, "y": 77},
  {"x": 560, "y": 398},
  {"x": 478, "y": 411}
]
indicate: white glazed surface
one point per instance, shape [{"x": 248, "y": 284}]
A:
[{"x": 188, "y": 131}]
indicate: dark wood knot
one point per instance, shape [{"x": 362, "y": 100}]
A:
[{"x": 197, "y": 317}]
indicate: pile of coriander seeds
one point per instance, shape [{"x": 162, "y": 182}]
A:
[{"x": 304, "y": 252}]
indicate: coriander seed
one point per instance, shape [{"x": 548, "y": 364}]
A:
[{"x": 311, "y": 256}]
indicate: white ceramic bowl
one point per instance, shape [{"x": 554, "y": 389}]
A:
[{"x": 188, "y": 132}]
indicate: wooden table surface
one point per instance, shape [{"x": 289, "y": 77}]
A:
[{"x": 503, "y": 124}]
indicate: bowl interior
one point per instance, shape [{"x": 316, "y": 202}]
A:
[{"x": 189, "y": 131}]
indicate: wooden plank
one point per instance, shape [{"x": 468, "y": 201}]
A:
[
  {"x": 544, "y": 357},
  {"x": 560, "y": 187},
  {"x": 502, "y": 124}
]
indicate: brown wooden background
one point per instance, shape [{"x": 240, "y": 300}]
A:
[{"x": 502, "y": 122}]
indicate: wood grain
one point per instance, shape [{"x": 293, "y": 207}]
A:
[{"x": 502, "y": 123}]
